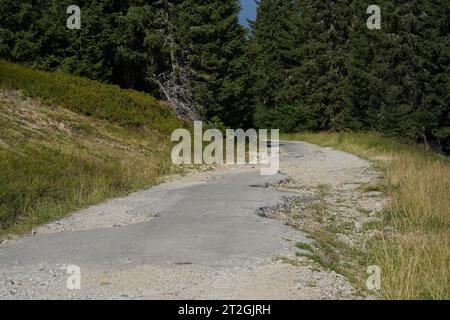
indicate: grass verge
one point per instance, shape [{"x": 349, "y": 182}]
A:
[
  {"x": 107, "y": 102},
  {"x": 67, "y": 143},
  {"x": 414, "y": 250}
]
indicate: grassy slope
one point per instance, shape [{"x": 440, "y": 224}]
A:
[
  {"x": 415, "y": 257},
  {"x": 74, "y": 143}
]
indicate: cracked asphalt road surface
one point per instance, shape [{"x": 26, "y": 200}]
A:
[{"x": 199, "y": 238}]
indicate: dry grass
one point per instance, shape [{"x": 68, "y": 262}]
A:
[
  {"x": 74, "y": 142},
  {"x": 54, "y": 161},
  {"x": 414, "y": 252}
]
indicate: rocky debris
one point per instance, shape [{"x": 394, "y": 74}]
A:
[
  {"x": 111, "y": 214},
  {"x": 333, "y": 201},
  {"x": 284, "y": 208}
]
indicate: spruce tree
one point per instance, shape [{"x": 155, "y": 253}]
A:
[
  {"x": 273, "y": 39},
  {"x": 398, "y": 79},
  {"x": 215, "y": 47},
  {"x": 316, "y": 81}
]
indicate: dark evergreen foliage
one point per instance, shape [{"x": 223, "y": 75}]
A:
[
  {"x": 307, "y": 64},
  {"x": 127, "y": 42},
  {"x": 337, "y": 74}
]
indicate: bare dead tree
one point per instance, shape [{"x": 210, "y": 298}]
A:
[{"x": 175, "y": 83}]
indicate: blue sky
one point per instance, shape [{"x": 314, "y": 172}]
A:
[{"x": 248, "y": 11}]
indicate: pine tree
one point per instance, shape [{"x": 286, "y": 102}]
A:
[
  {"x": 141, "y": 51},
  {"x": 171, "y": 41},
  {"x": 316, "y": 81},
  {"x": 310, "y": 65},
  {"x": 273, "y": 39},
  {"x": 398, "y": 79},
  {"x": 38, "y": 36},
  {"x": 215, "y": 47},
  {"x": 134, "y": 43}
]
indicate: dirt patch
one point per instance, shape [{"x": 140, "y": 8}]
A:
[
  {"x": 336, "y": 207},
  {"x": 263, "y": 280}
]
